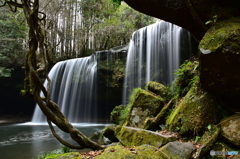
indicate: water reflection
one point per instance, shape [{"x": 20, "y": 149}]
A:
[{"x": 25, "y": 141}]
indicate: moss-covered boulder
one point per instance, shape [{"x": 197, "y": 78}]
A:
[
  {"x": 194, "y": 113},
  {"x": 220, "y": 69},
  {"x": 230, "y": 129},
  {"x": 139, "y": 152},
  {"x": 130, "y": 136},
  {"x": 142, "y": 105},
  {"x": 157, "y": 88},
  {"x": 70, "y": 155},
  {"x": 177, "y": 150}
]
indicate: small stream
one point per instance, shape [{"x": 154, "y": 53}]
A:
[{"x": 26, "y": 141}]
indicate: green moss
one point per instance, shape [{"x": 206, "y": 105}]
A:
[
  {"x": 223, "y": 35},
  {"x": 157, "y": 88},
  {"x": 187, "y": 75},
  {"x": 139, "y": 152},
  {"x": 70, "y": 155},
  {"x": 118, "y": 115}
]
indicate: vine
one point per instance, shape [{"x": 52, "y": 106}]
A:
[{"x": 32, "y": 83}]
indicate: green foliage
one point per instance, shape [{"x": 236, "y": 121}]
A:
[
  {"x": 117, "y": 3},
  {"x": 62, "y": 150},
  {"x": 12, "y": 37},
  {"x": 197, "y": 138},
  {"x": 213, "y": 20}
]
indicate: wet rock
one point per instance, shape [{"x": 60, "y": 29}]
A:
[
  {"x": 130, "y": 136},
  {"x": 230, "y": 129},
  {"x": 194, "y": 113},
  {"x": 177, "y": 150}
]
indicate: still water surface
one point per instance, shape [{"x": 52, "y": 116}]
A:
[{"x": 26, "y": 141}]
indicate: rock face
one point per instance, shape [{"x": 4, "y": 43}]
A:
[
  {"x": 220, "y": 58},
  {"x": 195, "y": 13},
  {"x": 130, "y": 136},
  {"x": 230, "y": 129},
  {"x": 142, "y": 106},
  {"x": 194, "y": 113}
]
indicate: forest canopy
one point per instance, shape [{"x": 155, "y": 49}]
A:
[{"x": 73, "y": 29}]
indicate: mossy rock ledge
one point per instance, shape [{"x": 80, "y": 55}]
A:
[
  {"x": 230, "y": 129},
  {"x": 194, "y": 113},
  {"x": 220, "y": 57},
  {"x": 130, "y": 136}
]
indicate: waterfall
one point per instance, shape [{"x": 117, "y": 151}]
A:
[
  {"x": 85, "y": 89},
  {"x": 80, "y": 87},
  {"x": 73, "y": 88},
  {"x": 154, "y": 55}
]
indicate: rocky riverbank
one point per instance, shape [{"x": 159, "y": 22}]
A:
[{"x": 9, "y": 118}]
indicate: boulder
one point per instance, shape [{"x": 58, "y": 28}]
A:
[
  {"x": 157, "y": 88},
  {"x": 130, "y": 136},
  {"x": 177, "y": 150},
  {"x": 230, "y": 129},
  {"x": 143, "y": 105},
  {"x": 194, "y": 112},
  {"x": 99, "y": 138},
  {"x": 220, "y": 57}
]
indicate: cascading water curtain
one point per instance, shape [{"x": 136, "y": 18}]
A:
[
  {"x": 73, "y": 88},
  {"x": 153, "y": 55}
]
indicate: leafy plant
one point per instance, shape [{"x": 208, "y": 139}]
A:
[
  {"x": 197, "y": 138},
  {"x": 209, "y": 127},
  {"x": 213, "y": 20}
]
